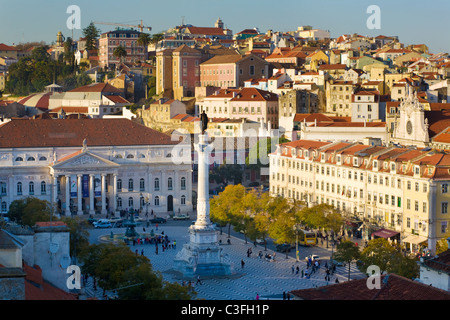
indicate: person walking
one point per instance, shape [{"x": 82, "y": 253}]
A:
[
  {"x": 242, "y": 263},
  {"x": 257, "y": 296},
  {"x": 198, "y": 281}
]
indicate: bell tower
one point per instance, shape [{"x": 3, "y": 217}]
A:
[{"x": 219, "y": 24}]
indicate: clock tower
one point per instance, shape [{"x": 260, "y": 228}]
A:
[{"x": 412, "y": 128}]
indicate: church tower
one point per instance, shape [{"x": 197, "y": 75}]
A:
[
  {"x": 219, "y": 24},
  {"x": 412, "y": 127}
]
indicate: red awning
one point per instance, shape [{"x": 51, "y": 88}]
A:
[{"x": 385, "y": 233}]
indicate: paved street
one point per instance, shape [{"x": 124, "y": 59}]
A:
[{"x": 268, "y": 279}]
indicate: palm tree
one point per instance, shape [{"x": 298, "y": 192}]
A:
[
  {"x": 143, "y": 40},
  {"x": 120, "y": 52}
]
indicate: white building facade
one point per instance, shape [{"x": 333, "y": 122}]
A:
[{"x": 87, "y": 166}]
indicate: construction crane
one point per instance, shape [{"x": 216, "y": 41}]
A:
[{"x": 141, "y": 26}]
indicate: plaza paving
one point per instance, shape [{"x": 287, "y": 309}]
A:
[{"x": 258, "y": 276}]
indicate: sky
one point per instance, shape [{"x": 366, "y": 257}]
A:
[{"x": 413, "y": 21}]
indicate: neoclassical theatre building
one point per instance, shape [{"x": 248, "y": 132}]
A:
[{"x": 87, "y": 166}]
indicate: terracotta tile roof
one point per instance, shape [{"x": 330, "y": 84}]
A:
[
  {"x": 205, "y": 30},
  {"x": 5, "y": 47},
  {"x": 221, "y": 59},
  {"x": 117, "y": 99},
  {"x": 397, "y": 288},
  {"x": 32, "y": 133},
  {"x": 97, "y": 87},
  {"x": 253, "y": 94},
  {"x": 332, "y": 67},
  {"x": 38, "y": 289}
]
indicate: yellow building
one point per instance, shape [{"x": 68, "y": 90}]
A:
[
  {"x": 400, "y": 192},
  {"x": 2, "y": 81},
  {"x": 315, "y": 59},
  {"x": 339, "y": 98}
]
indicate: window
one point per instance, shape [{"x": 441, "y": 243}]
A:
[
  {"x": 183, "y": 200},
  {"x": 130, "y": 156},
  {"x": 19, "y": 188},
  {"x": 142, "y": 184},
  {"x": 183, "y": 183},
  {"x": 156, "y": 201},
  {"x": 444, "y": 207},
  {"x": 169, "y": 184},
  {"x": 130, "y": 185},
  {"x": 119, "y": 202},
  {"x": 3, "y": 188},
  {"x": 444, "y": 188},
  {"x": 42, "y": 158},
  {"x": 19, "y": 159},
  {"x": 119, "y": 184},
  {"x": 43, "y": 187},
  {"x": 31, "y": 188},
  {"x": 31, "y": 159},
  {"x": 130, "y": 202},
  {"x": 4, "y": 207},
  {"x": 156, "y": 184}
]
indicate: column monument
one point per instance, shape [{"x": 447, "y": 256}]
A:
[{"x": 203, "y": 256}]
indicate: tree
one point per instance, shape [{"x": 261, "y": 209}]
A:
[
  {"x": 120, "y": 52},
  {"x": 91, "y": 33},
  {"x": 157, "y": 37},
  {"x": 143, "y": 40},
  {"x": 226, "y": 173},
  {"x": 347, "y": 252},
  {"x": 30, "y": 210},
  {"x": 79, "y": 236},
  {"x": 389, "y": 258},
  {"x": 117, "y": 268},
  {"x": 224, "y": 206}
]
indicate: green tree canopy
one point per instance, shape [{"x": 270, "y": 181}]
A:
[
  {"x": 91, "y": 33},
  {"x": 30, "y": 210},
  {"x": 347, "y": 252}
]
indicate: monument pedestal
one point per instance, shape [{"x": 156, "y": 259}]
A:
[{"x": 203, "y": 256}]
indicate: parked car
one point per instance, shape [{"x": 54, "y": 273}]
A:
[
  {"x": 92, "y": 220},
  {"x": 158, "y": 220},
  {"x": 336, "y": 263},
  {"x": 181, "y": 217},
  {"x": 114, "y": 220},
  {"x": 313, "y": 257},
  {"x": 285, "y": 247},
  {"x": 102, "y": 223}
]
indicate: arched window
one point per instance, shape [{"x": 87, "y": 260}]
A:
[
  {"x": 119, "y": 156},
  {"x": 31, "y": 159},
  {"x": 130, "y": 185},
  {"x": 4, "y": 207},
  {"x": 130, "y": 202},
  {"x": 169, "y": 184},
  {"x": 156, "y": 201},
  {"x": 141, "y": 202},
  {"x": 183, "y": 183},
  {"x": 19, "y": 188},
  {"x": 43, "y": 187},
  {"x": 43, "y": 158},
  {"x": 19, "y": 159},
  {"x": 119, "y": 202},
  {"x": 142, "y": 156},
  {"x": 31, "y": 187},
  {"x": 156, "y": 184},
  {"x": 183, "y": 200},
  {"x": 130, "y": 156},
  {"x": 119, "y": 184},
  {"x": 142, "y": 184}
]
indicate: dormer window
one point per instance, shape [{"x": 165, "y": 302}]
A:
[
  {"x": 339, "y": 159},
  {"x": 294, "y": 152},
  {"x": 322, "y": 157},
  {"x": 355, "y": 161},
  {"x": 416, "y": 170},
  {"x": 392, "y": 166},
  {"x": 375, "y": 164}
]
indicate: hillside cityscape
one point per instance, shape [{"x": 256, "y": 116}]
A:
[{"x": 204, "y": 163}]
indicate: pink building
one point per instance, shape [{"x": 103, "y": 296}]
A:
[
  {"x": 230, "y": 71},
  {"x": 125, "y": 38}
]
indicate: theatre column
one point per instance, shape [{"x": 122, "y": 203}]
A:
[
  {"x": 55, "y": 195},
  {"x": 67, "y": 195},
  {"x": 103, "y": 193},
  {"x": 79, "y": 195},
  {"x": 114, "y": 197},
  {"x": 91, "y": 194}
]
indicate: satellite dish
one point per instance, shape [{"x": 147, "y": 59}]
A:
[
  {"x": 65, "y": 261},
  {"x": 54, "y": 246}
]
